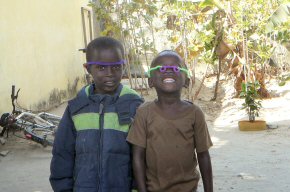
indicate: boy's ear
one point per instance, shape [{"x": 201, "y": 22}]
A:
[
  {"x": 186, "y": 84},
  {"x": 87, "y": 67},
  {"x": 150, "y": 82}
]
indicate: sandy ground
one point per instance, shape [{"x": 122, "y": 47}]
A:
[
  {"x": 26, "y": 167},
  {"x": 256, "y": 161}
]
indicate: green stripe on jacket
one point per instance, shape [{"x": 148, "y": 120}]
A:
[
  {"x": 87, "y": 90},
  {"x": 126, "y": 90},
  {"x": 85, "y": 121}
]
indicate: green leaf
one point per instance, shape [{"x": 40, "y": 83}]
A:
[
  {"x": 282, "y": 83},
  {"x": 212, "y": 3},
  {"x": 281, "y": 15},
  {"x": 206, "y": 3}
]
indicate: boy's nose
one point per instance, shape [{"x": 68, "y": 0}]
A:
[
  {"x": 169, "y": 70},
  {"x": 109, "y": 70}
]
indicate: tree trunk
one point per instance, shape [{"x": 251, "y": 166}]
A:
[
  {"x": 217, "y": 81},
  {"x": 201, "y": 84}
]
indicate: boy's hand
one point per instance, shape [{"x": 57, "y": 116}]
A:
[{"x": 205, "y": 170}]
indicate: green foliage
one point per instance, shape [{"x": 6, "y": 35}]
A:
[
  {"x": 279, "y": 16},
  {"x": 196, "y": 28},
  {"x": 283, "y": 79},
  {"x": 211, "y": 3},
  {"x": 252, "y": 104},
  {"x": 128, "y": 21}
]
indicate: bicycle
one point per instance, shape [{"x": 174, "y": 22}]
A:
[{"x": 39, "y": 128}]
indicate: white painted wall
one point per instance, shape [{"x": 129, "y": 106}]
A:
[{"x": 39, "y": 42}]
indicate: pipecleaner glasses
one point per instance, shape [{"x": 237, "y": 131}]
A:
[
  {"x": 106, "y": 63},
  {"x": 164, "y": 68}
]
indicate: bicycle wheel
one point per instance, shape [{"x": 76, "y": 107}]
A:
[
  {"x": 54, "y": 119},
  {"x": 36, "y": 128},
  {"x": 44, "y": 136}
]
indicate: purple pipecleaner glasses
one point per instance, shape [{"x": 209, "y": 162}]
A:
[
  {"x": 106, "y": 63},
  {"x": 164, "y": 68}
]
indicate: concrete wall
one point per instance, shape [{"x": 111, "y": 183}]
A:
[{"x": 39, "y": 42}]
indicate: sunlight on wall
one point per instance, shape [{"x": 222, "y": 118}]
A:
[{"x": 39, "y": 50}]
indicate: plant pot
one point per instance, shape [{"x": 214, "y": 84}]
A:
[{"x": 257, "y": 125}]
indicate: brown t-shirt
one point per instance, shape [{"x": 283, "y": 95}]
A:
[{"x": 170, "y": 146}]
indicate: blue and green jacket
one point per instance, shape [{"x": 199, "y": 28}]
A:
[{"x": 90, "y": 152}]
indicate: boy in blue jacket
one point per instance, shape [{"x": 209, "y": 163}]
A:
[{"x": 90, "y": 152}]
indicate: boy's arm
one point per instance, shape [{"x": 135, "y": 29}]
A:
[
  {"x": 62, "y": 163},
  {"x": 139, "y": 167},
  {"x": 205, "y": 170}
]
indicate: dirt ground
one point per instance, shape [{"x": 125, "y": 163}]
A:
[{"x": 257, "y": 161}]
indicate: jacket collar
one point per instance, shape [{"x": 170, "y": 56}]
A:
[
  {"x": 86, "y": 97},
  {"x": 103, "y": 97}
]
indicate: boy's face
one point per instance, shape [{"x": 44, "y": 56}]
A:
[
  {"x": 106, "y": 78},
  {"x": 168, "y": 81}
]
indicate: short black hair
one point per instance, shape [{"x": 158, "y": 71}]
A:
[
  {"x": 168, "y": 53},
  {"x": 102, "y": 43}
]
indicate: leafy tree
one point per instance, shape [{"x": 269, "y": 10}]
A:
[{"x": 236, "y": 37}]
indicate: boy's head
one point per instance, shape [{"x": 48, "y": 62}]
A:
[
  {"x": 105, "y": 62},
  {"x": 168, "y": 72}
]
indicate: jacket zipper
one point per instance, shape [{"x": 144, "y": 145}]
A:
[{"x": 101, "y": 123}]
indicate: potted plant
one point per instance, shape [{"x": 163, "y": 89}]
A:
[{"x": 252, "y": 104}]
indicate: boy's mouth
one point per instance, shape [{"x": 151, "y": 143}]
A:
[
  {"x": 168, "y": 80},
  {"x": 109, "y": 83}
]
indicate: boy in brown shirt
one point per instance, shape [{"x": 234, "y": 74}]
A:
[{"x": 168, "y": 133}]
